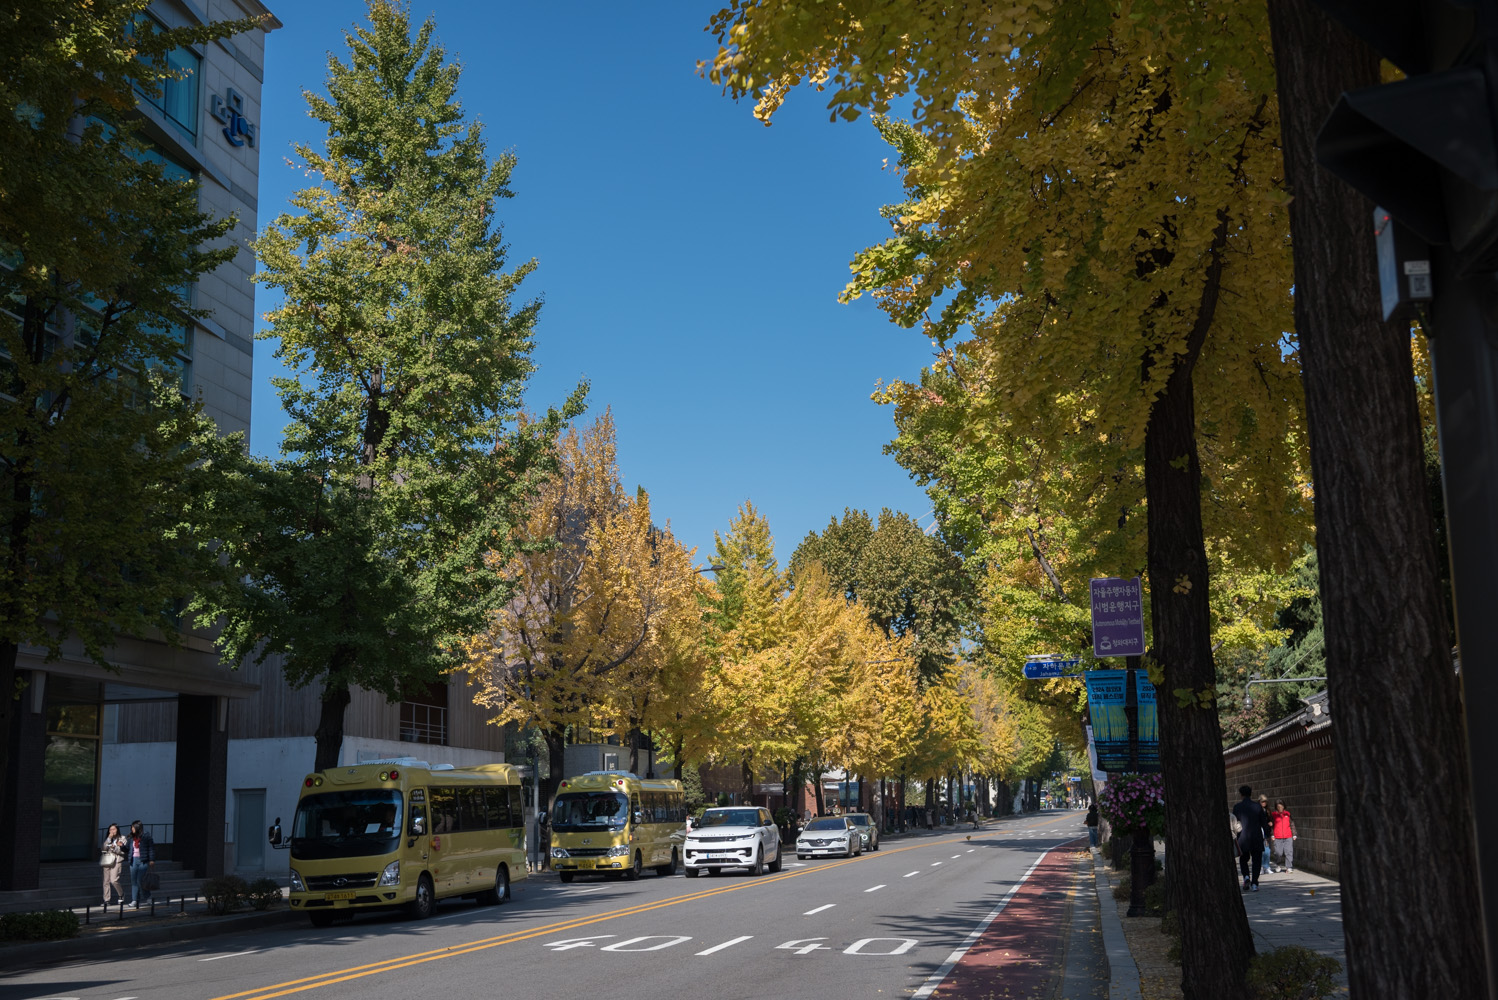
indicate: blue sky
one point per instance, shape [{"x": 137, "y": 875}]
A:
[{"x": 689, "y": 257}]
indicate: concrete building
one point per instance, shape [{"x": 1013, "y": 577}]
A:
[{"x": 204, "y": 125}]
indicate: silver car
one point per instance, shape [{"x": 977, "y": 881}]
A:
[
  {"x": 829, "y": 835},
  {"x": 868, "y": 828}
]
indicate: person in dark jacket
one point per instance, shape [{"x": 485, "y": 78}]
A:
[
  {"x": 1255, "y": 827},
  {"x": 140, "y": 851},
  {"x": 1091, "y": 822}
]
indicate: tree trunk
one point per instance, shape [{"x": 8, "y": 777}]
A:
[
  {"x": 1216, "y": 943},
  {"x": 556, "y": 764},
  {"x": 904, "y": 823},
  {"x": 797, "y": 781},
  {"x": 1394, "y": 696},
  {"x": 676, "y": 751},
  {"x": 335, "y": 701},
  {"x": 747, "y": 765}
]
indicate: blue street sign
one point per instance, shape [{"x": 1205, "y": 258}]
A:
[{"x": 1040, "y": 669}]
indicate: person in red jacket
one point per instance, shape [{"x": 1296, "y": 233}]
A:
[{"x": 1283, "y": 832}]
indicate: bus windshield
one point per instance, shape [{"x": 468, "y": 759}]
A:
[
  {"x": 590, "y": 811},
  {"x": 347, "y": 824}
]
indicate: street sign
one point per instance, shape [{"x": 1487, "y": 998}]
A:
[
  {"x": 1117, "y": 617},
  {"x": 1040, "y": 669}
]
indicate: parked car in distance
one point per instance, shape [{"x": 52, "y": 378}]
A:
[
  {"x": 867, "y": 827},
  {"x": 733, "y": 837},
  {"x": 829, "y": 835}
]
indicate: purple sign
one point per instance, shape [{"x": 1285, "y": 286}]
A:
[{"x": 1117, "y": 617}]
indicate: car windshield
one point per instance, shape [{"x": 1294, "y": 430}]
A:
[
  {"x": 859, "y": 820},
  {"x": 590, "y": 811},
  {"x": 346, "y": 824},
  {"x": 828, "y": 823},
  {"x": 730, "y": 817}
]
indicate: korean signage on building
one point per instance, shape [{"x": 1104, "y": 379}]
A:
[{"x": 229, "y": 110}]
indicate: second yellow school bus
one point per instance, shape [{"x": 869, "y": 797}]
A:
[
  {"x": 615, "y": 823},
  {"x": 405, "y": 833}
]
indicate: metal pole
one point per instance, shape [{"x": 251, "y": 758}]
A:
[{"x": 1464, "y": 363}]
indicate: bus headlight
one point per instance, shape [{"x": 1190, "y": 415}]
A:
[
  {"x": 618, "y": 851},
  {"x": 296, "y": 882},
  {"x": 560, "y": 852},
  {"x": 392, "y": 874}
]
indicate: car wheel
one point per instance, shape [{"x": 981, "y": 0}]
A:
[
  {"x": 758, "y": 868},
  {"x": 800, "y": 857},
  {"x": 690, "y": 872},
  {"x": 634, "y": 870},
  {"x": 320, "y": 919},
  {"x": 426, "y": 899},
  {"x": 566, "y": 876},
  {"x": 776, "y": 865}
]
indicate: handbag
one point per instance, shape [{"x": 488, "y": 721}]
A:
[
  {"x": 108, "y": 859},
  {"x": 150, "y": 881}
]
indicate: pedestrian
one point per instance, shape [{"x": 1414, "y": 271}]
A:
[
  {"x": 1268, "y": 860},
  {"x": 141, "y": 850},
  {"x": 1254, "y": 823},
  {"x": 1091, "y": 822},
  {"x": 1284, "y": 834},
  {"x": 111, "y": 860}
]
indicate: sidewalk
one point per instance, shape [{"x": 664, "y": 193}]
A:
[{"x": 1289, "y": 908}]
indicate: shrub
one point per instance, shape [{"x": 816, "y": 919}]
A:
[
  {"x": 224, "y": 894},
  {"x": 1154, "y": 899},
  {"x": 42, "y": 925},
  {"x": 1123, "y": 887},
  {"x": 263, "y": 893},
  {"x": 1292, "y": 973}
]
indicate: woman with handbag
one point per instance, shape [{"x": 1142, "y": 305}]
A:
[
  {"x": 111, "y": 860},
  {"x": 141, "y": 850}
]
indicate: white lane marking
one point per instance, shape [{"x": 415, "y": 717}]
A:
[
  {"x": 794, "y": 864},
  {"x": 824, "y": 906},
  {"x": 970, "y": 850},
  {"x": 956, "y": 856},
  {"x": 876, "y": 888},
  {"x": 908, "y": 874},
  {"x": 804, "y": 946},
  {"x": 669, "y": 941},
  {"x": 725, "y": 944},
  {"x": 935, "y": 979},
  {"x": 127, "y": 998},
  {"x": 236, "y": 954},
  {"x": 567, "y": 944},
  {"x": 856, "y": 948},
  {"x": 935, "y": 863}
]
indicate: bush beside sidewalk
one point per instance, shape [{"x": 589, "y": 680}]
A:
[{"x": 1290, "y": 908}]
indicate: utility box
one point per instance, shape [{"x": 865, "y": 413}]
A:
[{"x": 1404, "y": 277}]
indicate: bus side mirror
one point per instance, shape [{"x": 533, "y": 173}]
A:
[
  {"x": 417, "y": 827},
  {"x": 639, "y": 816}
]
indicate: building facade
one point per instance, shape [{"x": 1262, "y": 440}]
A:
[{"x": 204, "y": 125}]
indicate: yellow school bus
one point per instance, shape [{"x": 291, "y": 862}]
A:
[
  {"x": 617, "y": 824},
  {"x": 405, "y": 833}
]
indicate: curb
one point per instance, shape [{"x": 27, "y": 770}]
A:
[
  {"x": 34, "y": 953},
  {"x": 1123, "y": 974}
]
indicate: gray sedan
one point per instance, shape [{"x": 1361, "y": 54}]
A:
[{"x": 829, "y": 835}]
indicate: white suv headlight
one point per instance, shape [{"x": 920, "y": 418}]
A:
[
  {"x": 392, "y": 874},
  {"x": 296, "y": 882}
]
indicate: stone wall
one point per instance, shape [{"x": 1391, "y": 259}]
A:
[{"x": 1304, "y": 776}]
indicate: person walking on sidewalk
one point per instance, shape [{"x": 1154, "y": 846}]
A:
[
  {"x": 1254, "y": 824},
  {"x": 1268, "y": 859},
  {"x": 1091, "y": 822},
  {"x": 111, "y": 860},
  {"x": 1284, "y": 834},
  {"x": 141, "y": 850}
]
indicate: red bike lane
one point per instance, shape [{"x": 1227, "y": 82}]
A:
[{"x": 1022, "y": 953}]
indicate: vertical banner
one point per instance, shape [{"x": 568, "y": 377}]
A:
[
  {"x": 1149, "y": 723},
  {"x": 1106, "y": 697}
]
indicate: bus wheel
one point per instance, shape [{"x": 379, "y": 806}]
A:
[
  {"x": 320, "y": 919},
  {"x": 634, "y": 870},
  {"x": 501, "y": 890},
  {"x": 421, "y": 907},
  {"x": 565, "y": 876},
  {"x": 667, "y": 870}
]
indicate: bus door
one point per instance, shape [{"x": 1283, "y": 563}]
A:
[{"x": 418, "y": 851}]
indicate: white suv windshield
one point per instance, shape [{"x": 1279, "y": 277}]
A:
[{"x": 731, "y": 817}]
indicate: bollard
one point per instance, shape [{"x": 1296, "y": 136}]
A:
[
  {"x": 86, "y": 910},
  {"x": 183, "y": 908}
]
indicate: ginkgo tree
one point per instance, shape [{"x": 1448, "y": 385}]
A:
[{"x": 1102, "y": 218}]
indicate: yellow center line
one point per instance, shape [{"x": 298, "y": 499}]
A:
[{"x": 390, "y": 965}]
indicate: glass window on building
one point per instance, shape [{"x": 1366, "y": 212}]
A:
[
  {"x": 178, "y": 100},
  {"x": 70, "y": 769}
]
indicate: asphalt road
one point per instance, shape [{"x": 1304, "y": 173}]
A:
[{"x": 999, "y": 912}]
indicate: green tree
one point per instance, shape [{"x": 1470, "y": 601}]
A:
[
  {"x": 404, "y": 463},
  {"x": 909, "y": 582},
  {"x": 101, "y": 472}
]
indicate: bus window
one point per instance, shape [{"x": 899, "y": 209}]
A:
[
  {"x": 346, "y": 824},
  {"x": 444, "y": 810},
  {"x": 497, "y": 808},
  {"x": 517, "y": 806},
  {"x": 471, "y": 809},
  {"x": 589, "y": 811}
]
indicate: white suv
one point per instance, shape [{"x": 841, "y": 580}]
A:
[{"x": 733, "y": 837}]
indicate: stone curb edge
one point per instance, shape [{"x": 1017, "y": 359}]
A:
[
  {"x": 28, "y": 954},
  {"x": 1123, "y": 974}
]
